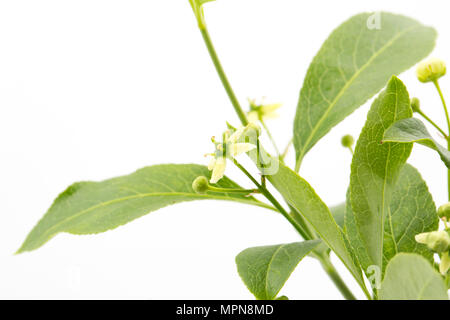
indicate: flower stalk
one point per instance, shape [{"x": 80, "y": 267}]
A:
[
  {"x": 201, "y": 186},
  {"x": 431, "y": 71},
  {"x": 223, "y": 77},
  {"x": 438, "y": 88}
]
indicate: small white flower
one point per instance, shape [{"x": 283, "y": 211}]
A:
[
  {"x": 212, "y": 163},
  {"x": 260, "y": 111},
  {"x": 217, "y": 165},
  {"x": 235, "y": 136},
  {"x": 236, "y": 149},
  {"x": 230, "y": 148}
]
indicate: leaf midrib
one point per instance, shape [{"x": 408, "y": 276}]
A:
[
  {"x": 157, "y": 194},
  {"x": 427, "y": 283},
  {"x": 384, "y": 187},
  {"x": 269, "y": 265},
  {"x": 345, "y": 87}
]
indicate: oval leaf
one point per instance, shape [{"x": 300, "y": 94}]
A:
[
  {"x": 354, "y": 63},
  {"x": 93, "y": 207},
  {"x": 411, "y": 277},
  {"x": 265, "y": 270},
  {"x": 355, "y": 243},
  {"x": 375, "y": 167},
  {"x": 412, "y": 211},
  {"x": 413, "y": 130}
]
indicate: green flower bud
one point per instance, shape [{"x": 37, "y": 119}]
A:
[
  {"x": 431, "y": 70},
  {"x": 445, "y": 263},
  {"x": 444, "y": 211},
  {"x": 200, "y": 185},
  {"x": 415, "y": 105},
  {"x": 438, "y": 241},
  {"x": 347, "y": 141}
]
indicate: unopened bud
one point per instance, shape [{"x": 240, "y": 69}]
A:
[
  {"x": 444, "y": 211},
  {"x": 445, "y": 263},
  {"x": 438, "y": 241},
  {"x": 347, "y": 141},
  {"x": 431, "y": 70},
  {"x": 200, "y": 185},
  {"x": 415, "y": 105}
]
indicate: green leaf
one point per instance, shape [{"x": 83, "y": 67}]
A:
[
  {"x": 411, "y": 277},
  {"x": 301, "y": 196},
  {"x": 412, "y": 211},
  {"x": 265, "y": 270},
  {"x": 354, "y": 63},
  {"x": 413, "y": 130},
  {"x": 355, "y": 243},
  {"x": 375, "y": 167},
  {"x": 93, "y": 207}
]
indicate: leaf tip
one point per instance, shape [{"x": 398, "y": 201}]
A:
[{"x": 22, "y": 249}]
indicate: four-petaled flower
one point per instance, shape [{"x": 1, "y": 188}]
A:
[
  {"x": 229, "y": 148},
  {"x": 260, "y": 111}
]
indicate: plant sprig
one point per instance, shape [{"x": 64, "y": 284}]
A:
[{"x": 386, "y": 196}]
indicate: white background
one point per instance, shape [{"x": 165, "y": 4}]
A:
[{"x": 94, "y": 89}]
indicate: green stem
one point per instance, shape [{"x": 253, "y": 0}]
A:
[
  {"x": 336, "y": 278},
  {"x": 226, "y": 84},
  {"x": 229, "y": 190},
  {"x": 350, "y": 148},
  {"x": 272, "y": 200},
  {"x": 432, "y": 123},
  {"x": 258, "y": 161},
  {"x": 270, "y": 137},
  {"x": 436, "y": 84},
  {"x": 301, "y": 221},
  {"x": 298, "y": 163},
  {"x": 448, "y": 172}
]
